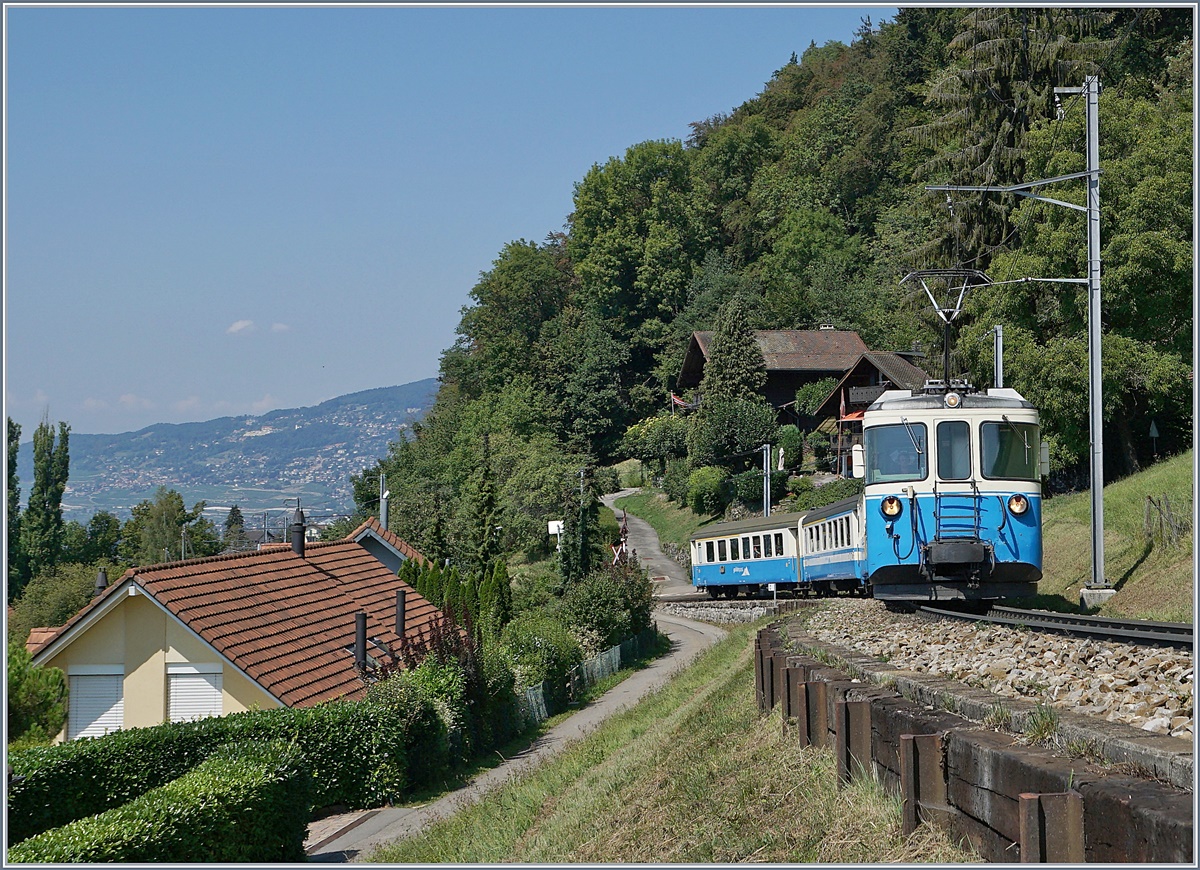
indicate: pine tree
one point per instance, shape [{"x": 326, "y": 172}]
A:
[
  {"x": 735, "y": 368},
  {"x": 235, "y": 530}
]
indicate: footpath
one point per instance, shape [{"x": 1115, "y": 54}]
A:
[{"x": 354, "y": 836}]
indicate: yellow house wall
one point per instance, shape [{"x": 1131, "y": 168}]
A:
[{"x": 138, "y": 636}]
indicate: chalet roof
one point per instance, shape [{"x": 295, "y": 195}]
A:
[
  {"x": 783, "y": 350},
  {"x": 902, "y": 373},
  {"x": 283, "y": 619},
  {"x": 892, "y": 368}
]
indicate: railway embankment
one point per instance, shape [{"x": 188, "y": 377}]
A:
[{"x": 1018, "y": 783}]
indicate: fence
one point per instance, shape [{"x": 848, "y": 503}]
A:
[{"x": 590, "y": 672}]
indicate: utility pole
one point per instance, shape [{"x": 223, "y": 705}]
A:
[
  {"x": 998, "y": 331},
  {"x": 766, "y": 452},
  {"x": 1097, "y": 589}
]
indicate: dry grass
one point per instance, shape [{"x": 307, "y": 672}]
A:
[
  {"x": 690, "y": 775},
  {"x": 1155, "y": 580}
]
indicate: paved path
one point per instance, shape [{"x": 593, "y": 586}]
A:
[
  {"x": 348, "y": 836},
  {"x": 669, "y": 577},
  {"x": 345, "y": 837}
]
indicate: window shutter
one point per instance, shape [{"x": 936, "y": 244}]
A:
[
  {"x": 193, "y": 696},
  {"x": 96, "y": 705}
]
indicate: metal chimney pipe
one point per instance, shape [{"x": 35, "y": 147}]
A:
[
  {"x": 401, "y": 600},
  {"x": 298, "y": 532},
  {"x": 360, "y": 640},
  {"x": 101, "y": 582},
  {"x": 383, "y": 509}
]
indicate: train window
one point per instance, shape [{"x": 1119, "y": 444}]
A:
[
  {"x": 954, "y": 449},
  {"x": 708, "y": 551},
  {"x": 767, "y": 546},
  {"x": 745, "y": 548},
  {"x": 721, "y": 550},
  {"x": 757, "y": 547},
  {"x": 779, "y": 543},
  {"x": 1010, "y": 450},
  {"x": 733, "y": 549},
  {"x": 896, "y": 452}
]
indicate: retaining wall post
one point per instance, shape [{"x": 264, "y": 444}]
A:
[
  {"x": 922, "y": 779},
  {"x": 852, "y": 738},
  {"x": 1051, "y": 828}
]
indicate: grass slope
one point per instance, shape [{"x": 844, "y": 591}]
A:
[
  {"x": 1154, "y": 580},
  {"x": 692, "y": 774}
]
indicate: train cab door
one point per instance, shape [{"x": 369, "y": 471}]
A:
[{"x": 957, "y": 506}]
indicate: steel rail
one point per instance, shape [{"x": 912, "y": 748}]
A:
[{"x": 1141, "y": 632}]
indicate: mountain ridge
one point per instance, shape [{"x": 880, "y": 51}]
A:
[{"x": 261, "y": 462}]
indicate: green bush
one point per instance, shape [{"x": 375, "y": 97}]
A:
[
  {"x": 748, "y": 486},
  {"x": 37, "y": 699},
  {"x": 540, "y": 649},
  {"x": 791, "y": 442},
  {"x": 708, "y": 490},
  {"x": 246, "y": 802},
  {"x": 614, "y": 602},
  {"x": 361, "y": 755},
  {"x": 675, "y": 481},
  {"x": 607, "y": 479},
  {"x": 835, "y": 490}
]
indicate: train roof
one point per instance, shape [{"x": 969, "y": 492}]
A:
[
  {"x": 751, "y": 524},
  {"x": 933, "y": 397}
]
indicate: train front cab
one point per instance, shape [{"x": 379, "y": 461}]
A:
[{"x": 952, "y": 495}]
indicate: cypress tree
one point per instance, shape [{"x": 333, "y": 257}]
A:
[
  {"x": 42, "y": 524},
  {"x": 15, "y": 568}
]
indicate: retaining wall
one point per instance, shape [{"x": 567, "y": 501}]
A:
[{"x": 1011, "y": 801}]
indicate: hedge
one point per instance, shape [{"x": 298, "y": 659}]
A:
[
  {"x": 247, "y": 802},
  {"x": 360, "y": 754}
]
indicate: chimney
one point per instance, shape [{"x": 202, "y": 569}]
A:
[
  {"x": 360, "y": 641},
  {"x": 298, "y": 531},
  {"x": 401, "y": 599},
  {"x": 383, "y": 510},
  {"x": 101, "y": 582}
]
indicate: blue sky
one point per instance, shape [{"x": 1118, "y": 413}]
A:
[{"x": 217, "y": 211}]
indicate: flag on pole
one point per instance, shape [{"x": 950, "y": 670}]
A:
[{"x": 678, "y": 401}]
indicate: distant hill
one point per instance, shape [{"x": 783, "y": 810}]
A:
[{"x": 261, "y": 462}]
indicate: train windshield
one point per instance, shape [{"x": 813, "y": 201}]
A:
[
  {"x": 896, "y": 452},
  {"x": 1010, "y": 450}
]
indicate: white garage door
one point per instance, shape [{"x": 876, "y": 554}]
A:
[
  {"x": 96, "y": 705},
  {"x": 193, "y": 692}
]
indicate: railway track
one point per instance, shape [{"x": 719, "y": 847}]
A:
[{"x": 1135, "y": 631}]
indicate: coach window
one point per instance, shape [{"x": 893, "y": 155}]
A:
[
  {"x": 721, "y": 550},
  {"x": 708, "y": 551},
  {"x": 779, "y": 543},
  {"x": 733, "y": 549},
  {"x": 767, "y": 546},
  {"x": 745, "y": 548},
  {"x": 757, "y": 547},
  {"x": 954, "y": 450}
]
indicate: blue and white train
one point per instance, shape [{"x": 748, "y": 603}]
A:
[{"x": 951, "y": 509}]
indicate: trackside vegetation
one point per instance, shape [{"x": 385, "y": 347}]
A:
[{"x": 691, "y": 774}]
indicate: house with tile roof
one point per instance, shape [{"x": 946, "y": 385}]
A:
[
  {"x": 793, "y": 357},
  {"x": 269, "y": 628}
]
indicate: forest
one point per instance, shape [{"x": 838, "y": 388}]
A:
[{"x": 807, "y": 206}]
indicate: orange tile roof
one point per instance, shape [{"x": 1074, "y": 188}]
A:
[{"x": 286, "y": 620}]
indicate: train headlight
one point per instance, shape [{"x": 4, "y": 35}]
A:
[
  {"x": 1017, "y": 504},
  {"x": 891, "y": 507},
  {"x": 953, "y": 400}
]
